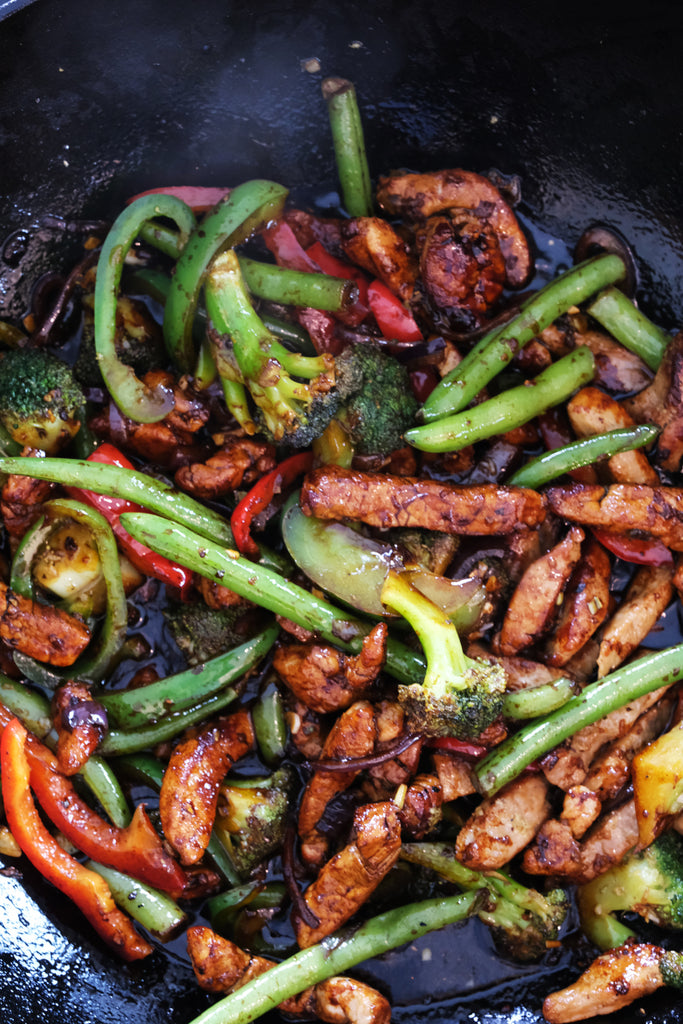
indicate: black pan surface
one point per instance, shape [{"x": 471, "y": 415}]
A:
[{"x": 100, "y": 100}]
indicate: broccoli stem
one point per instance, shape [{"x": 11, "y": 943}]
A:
[
  {"x": 137, "y": 707},
  {"x": 510, "y": 758},
  {"x": 269, "y": 590},
  {"x": 154, "y": 910},
  {"x": 130, "y": 394},
  {"x": 509, "y": 409},
  {"x": 337, "y": 954},
  {"x": 549, "y": 465},
  {"x": 628, "y": 325},
  {"x": 247, "y": 208},
  {"x": 119, "y": 482},
  {"x": 349, "y": 146},
  {"x": 495, "y": 350},
  {"x": 439, "y": 638}
]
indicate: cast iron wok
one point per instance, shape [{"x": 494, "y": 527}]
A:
[{"x": 101, "y": 100}]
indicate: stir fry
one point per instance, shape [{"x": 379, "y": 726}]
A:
[{"x": 335, "y": 552}]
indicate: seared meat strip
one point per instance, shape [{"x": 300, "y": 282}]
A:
[
  {"x": 503, "y": 825},
  {"x": 43, "y": 632},
  {"x": 657, "y": 511},
  {"x": 385, "y": 501}
]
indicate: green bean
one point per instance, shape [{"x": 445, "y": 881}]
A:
[
  {"x": 118, "y": 482},
  {"x": 270, "y": 726},
  {"x": 495, "y": 350},
  {"x": 628, "y": 325},
  {"x": 268, "y": 589},
  {"x": 349, "y": 146},
  {"x": 509, "y": 409},
  {"x": 512, "y": 756},
  {"x": 247, "y": 208},
  {"x": 337, "y": 954},
  {"x": 31, "y": 707},
  {"x": 154, "y": 910},
  {"x": 298, "y": 287},
  {"x": 535, "y": 701},
  {"x": 142, "y": 705},
  {"x": 546, "y": 467},
  {"x": 130, "y": 394},
  {"x": 99, "y": 776}
]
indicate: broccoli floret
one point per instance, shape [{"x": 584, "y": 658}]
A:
[
  {"x": 376, "y": 404},
  {"x": 202, "y": 633},
  {"x": 256, "y": 368},
  {"x": 459, "y": 696},
  {"x": 41, "y": 404},
  {"x": 251, "y": 819},
  {"x": 671, "y": 968},
  {"x": 648, "y": 883},
  {"x": 139, "y": 342},
  {"x": 523, "y": 920}
]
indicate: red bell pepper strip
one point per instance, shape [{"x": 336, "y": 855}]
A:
[
  {"x": 199, "y": 198},
  {"x": 393, "y": 319},
  {"x": 640, "y": 551},
  {"x": 142, "y": 557},
  {"x": 136, "y": 850},
  {"x": 260, "y": 496},
  {"x": 286, "y": 248},
  {"x": 86, "y": 888}
]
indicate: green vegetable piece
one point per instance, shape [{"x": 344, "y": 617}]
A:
[
  {"x": 495, "y": 350},
  {"x": 267, "y": 589},
  {"x": 246, "y": 209},
  {"x": 133, "y": 398},
  {"x": 154, "y": 910},
  {"x": 298, "y": 287},
  {"x": 648, "y": 882},
  {"x": 41, "y": 404},
  {"x": 546, "y": 467},
  {"x": 252, "y": 818},
  {"x": 630, "y": 326},
  {"x": 270, "y": 725},
  {"x": 256, "y": 360},
  {"x": 459, "y": 696},
  {"x": 138, "y": 707},
  {"x": 349, "y": 146},
  {"x": 509, "y": 409},
  {"x": 536, "y": 701},
  {"x": 523, "y": 920},
  {"x": 512, "y": 756},
  {"x": 337, "y": 954}
]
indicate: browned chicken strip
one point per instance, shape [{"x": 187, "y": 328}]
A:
[
  {"x": 348, "y": 879},
  {"x": 502, "y": 826},
  {"x": 613, "y": 981},
  {"x": 43, "y": 632},
  {"x": 585, "y": 605},
  {"x": 657, "y": 511},
  {"x": 386, "y": 501},
  {"x": 418, "y": 196},
  {"x": 240, "y": 462},
  {"x": 592, "y": 412},
  {"x": 661, "y": 403},
  {"x": 326, "y": 679},
  {"x": 646, "y": 599},
  {"x": 196, "y": 768},
  {"x": 534, "y": 602},
  {"x": 372, "y": 243}
]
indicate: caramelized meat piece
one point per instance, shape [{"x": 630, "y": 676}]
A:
[
  {"x": 373, "y": 244},
  {"x": 385, "y": 501},
  {"x": 324, "y": 678},
  {"x": 21, "y": 504},
  {"x": 80, "y": 723},
  {"x": 45, "y": 633},
  {"x": 646, "y": 599},
  {"x": 221, "y": 966},
  {"x": 218, "y": 596},
  {"x": 580, "y": 809},
  {"x": 189, "y": 792},
  {"x": 455, "y": 776},
  {"x": 657, "y": 511},
  {"x": 585, "y": 605},
  {"x": 462, "y": 268},
  {"x": 421, "y": 810},
  {"x": 616, "y": 369},
  {"x": 662, "y": 403},
  {"x": 613, "y": 981},
  {"x": 418, "y": 196},
  {"x": 239, "y": 462},
  {"x": 353, "y": 874},
  {"x": 535, "y": 599},
  {"x": 306, "y": 730},
  {"x": 502, "y": 826}
]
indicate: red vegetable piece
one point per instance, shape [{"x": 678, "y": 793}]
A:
[
  {"x": 260, "y": 496},
  {"x": 199, "y": 198},
  {"x": 393, "y": 319},
  {"x": 142, "y": 557},
  {"x": 640, "y": 551}
]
